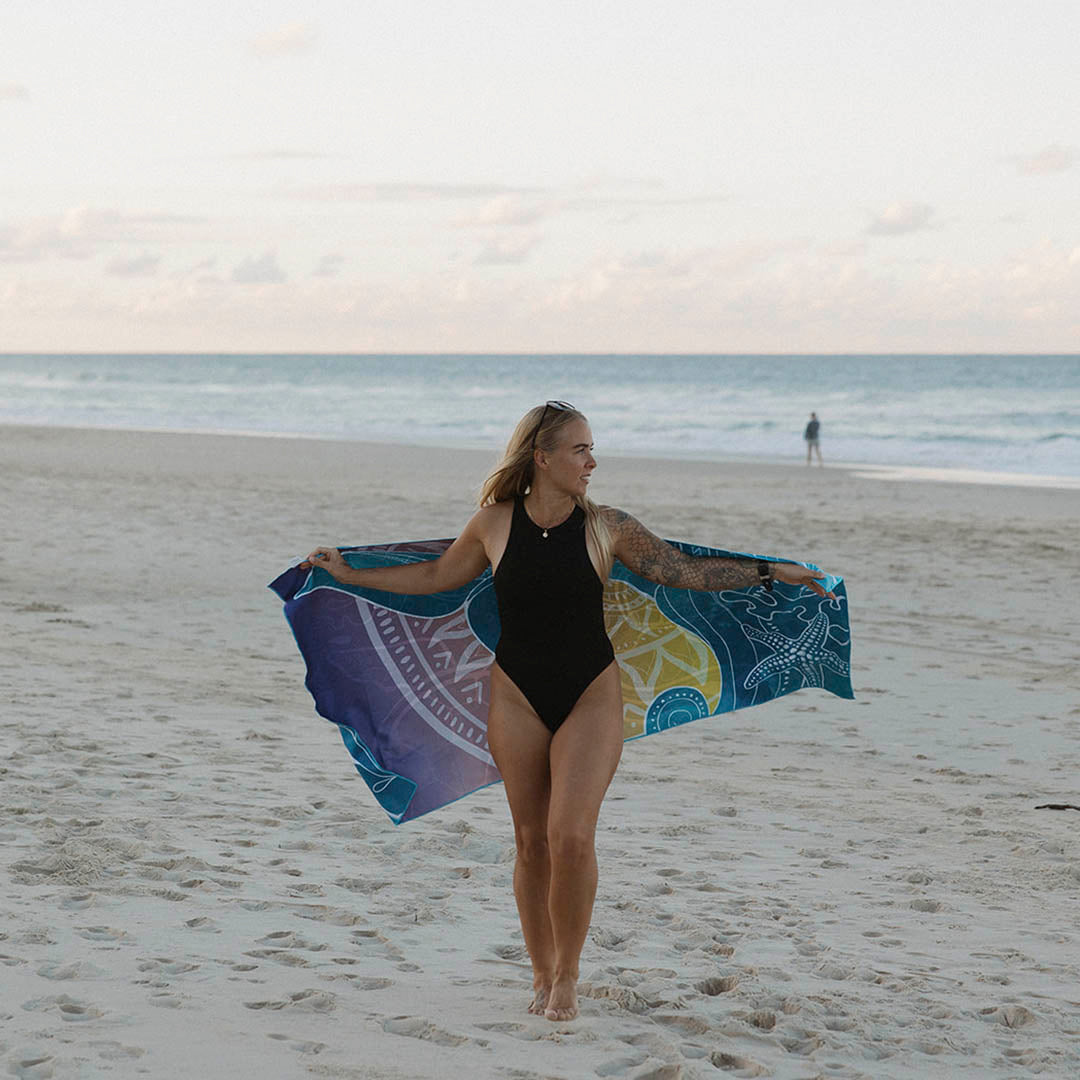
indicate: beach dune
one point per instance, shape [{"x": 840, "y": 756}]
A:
[{"x": 195, "y": 883}]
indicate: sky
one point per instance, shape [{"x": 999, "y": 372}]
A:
[{"x": 551, "y": 176}]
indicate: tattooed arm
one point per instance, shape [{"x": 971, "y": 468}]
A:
[
  {"x": 655, "y": 559},
  {"x": 646, "y": 554}
]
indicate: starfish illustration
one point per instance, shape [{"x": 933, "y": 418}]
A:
[{"x": 804, "y": 654}]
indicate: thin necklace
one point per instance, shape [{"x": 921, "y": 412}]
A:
[{"x": 544, "y": 529}]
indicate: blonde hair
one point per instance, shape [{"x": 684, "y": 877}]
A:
[{"x": 514, "y": 473}]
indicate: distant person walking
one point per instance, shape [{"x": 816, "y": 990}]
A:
[{"x": 813, "y": 438}]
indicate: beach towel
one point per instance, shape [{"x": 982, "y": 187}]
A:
[{"x": 405, "y": 678}]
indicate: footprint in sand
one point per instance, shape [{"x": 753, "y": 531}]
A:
[
  {"x": 926, "y": 905},
  {"x": 662, "y": 1072},
  {"x": 510, "y": 952},
  {"x": 686, "y": 1023},
  {"x": 416, "y": 1027},
  {"x": 515, "y": 1031},
  {"x": 322, "y": 913},
  {"x": 721, "y": 984},
  {"x": 610, "y": 939},
  {"x": 279, "y": 956},
  {"x": 204, "y": 924},
  {"x": 301, "y": 1046},
  {"x": 801, "y": 1042},
  {"x": 114, "y": 1051},
  {"x": 78, "y": 901},
  {"x": 762, "y": 1019},
  {"x": 80, "y": 969},
  {"x": 104, "y": 934},
  {"x": 167, "y": 966},
  {"x": 289, "y": 939},
  {"x": 69, "y": 1008},
  {"x": 31, "y": 1065},
  {"x": 317, "y": 1001},
  {"x": 839, "y": 1023},
  {"x": 1011, "y": 1016},
  {"x": 618, "y": 1066},
  {"x": 735, "y": 1063},
  {"x": 625, "y": 998},
  {"x": 163, "y": 999}
]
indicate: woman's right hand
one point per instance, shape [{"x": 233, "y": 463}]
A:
[{"x": 328, "y": 559}]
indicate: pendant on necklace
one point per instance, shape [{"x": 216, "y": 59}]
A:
[{"x": 544, "y": 534}]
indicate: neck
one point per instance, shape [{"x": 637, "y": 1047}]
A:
[{"x": 549, "y": 507}]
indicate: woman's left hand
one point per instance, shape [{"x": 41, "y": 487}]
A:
[{"x": 793, "y": 574}]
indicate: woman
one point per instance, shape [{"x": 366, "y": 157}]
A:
[{"x": 555, "y": 718}]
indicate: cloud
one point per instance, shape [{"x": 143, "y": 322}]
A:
[
  {"x": 658, "y": 201},
  {"x": 259, "y": 270},
  {"x": 10, "y": 91},
  {"x": 82, "y": 231},
  {"x": 487, "y": 205},
  {"x": 758, "y": 296},
  {"x": 528, "y": 209},
  {"x": 506, "y": 250},
  {"x": 1050, "y": 159},
  {"x": 405, "y": 192},
  {"x": 329, "y": 265},
  {"x": 74, "y": 234},
  {"x": 900, "y": 218},
  {"x": 510, "y": 209},
  {"x": 143, "y": 265},
  {"x": 289, "y": 40}
]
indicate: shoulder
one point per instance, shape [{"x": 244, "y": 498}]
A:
[
  {"x": 492, "y": 518},
  {"x": 618, "y": 521}
]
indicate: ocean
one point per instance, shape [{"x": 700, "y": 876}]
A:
[{"x": 1017, "y": 414}]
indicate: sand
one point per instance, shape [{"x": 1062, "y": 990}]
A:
[{"x": 195, "y": 883}]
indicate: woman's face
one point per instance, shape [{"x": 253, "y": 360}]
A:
[{"x": 571, "y": 463}]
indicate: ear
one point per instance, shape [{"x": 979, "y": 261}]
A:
[{"x": 539, "y": 459}]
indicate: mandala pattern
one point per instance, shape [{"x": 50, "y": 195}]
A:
[
  {"x": 653, "y": 652},
  {"x": 439, "y": 667},
  {"x": 673, "y": 707},
  {"x": 405, "y": 678}
]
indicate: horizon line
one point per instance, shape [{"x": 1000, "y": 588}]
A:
[{"x": 560, "y": 353}]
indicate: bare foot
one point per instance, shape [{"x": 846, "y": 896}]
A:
[
  {"x": 539, "y": 1001},
  {"x": 541, "y": 990},
  {"x": 562, "y": 1001}
]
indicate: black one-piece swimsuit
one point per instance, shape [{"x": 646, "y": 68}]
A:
[{"x": 553, "y": 642}]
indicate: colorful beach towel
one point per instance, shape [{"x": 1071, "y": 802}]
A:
[{"x": 405, "y": 678}]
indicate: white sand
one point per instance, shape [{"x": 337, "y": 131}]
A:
[{"x": 195, "y": 883}]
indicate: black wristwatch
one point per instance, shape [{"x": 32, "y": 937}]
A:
[{"x": 764, "y": 574}]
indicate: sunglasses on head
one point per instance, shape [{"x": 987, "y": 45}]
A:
[{"x": 558, "y": 406}]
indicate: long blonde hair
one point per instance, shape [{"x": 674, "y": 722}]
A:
[{"x": 514, "y": 474}]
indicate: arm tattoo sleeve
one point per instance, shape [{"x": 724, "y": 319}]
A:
[{"x": 657, "y": 560}]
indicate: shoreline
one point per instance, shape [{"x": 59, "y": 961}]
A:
[{"x": 894, "y": 473}]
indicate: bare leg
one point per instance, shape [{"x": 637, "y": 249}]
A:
[
  {"x": 584, "y": 754},
  {"x": 520, "y": 743}
]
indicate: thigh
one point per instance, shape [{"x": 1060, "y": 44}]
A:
[
  {"x": 520, "y": 744},
  {"x": 585, "y": 752}
]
